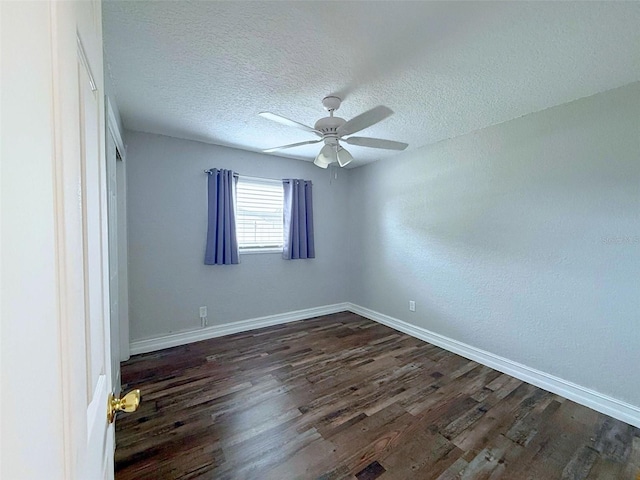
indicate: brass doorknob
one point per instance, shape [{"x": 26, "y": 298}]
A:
[{"x": 128, "y": 403}]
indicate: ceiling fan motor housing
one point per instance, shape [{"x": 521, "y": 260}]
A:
[{"x": 329, "y": 125}]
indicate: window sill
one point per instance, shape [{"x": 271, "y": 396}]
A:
[{"x": 252, "y": 251}]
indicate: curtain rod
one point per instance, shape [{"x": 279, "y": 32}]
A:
[{"x": 209, "y": 171}]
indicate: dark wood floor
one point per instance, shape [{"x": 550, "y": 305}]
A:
[{"x": 343, "y": 397}]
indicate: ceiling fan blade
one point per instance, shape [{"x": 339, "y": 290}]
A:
[
  {"x": 364, "y": 120},
  {"x": 288, "y": 122},
  {"x": 275, "y": 149},
  {"x": 375, "y": 143}
]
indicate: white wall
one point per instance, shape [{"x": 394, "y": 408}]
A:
[
  {"x": 522, "y": 239},
  {"x": 167, "y": 207},
  {"x": 31, "y": 409}
]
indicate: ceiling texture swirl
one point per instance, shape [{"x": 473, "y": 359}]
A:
[{"x": 203, "y": 70}]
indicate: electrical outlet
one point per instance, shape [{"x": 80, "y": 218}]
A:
[
  {"x": 412, "y": 305},
  {"x": 203, "y": 316}
]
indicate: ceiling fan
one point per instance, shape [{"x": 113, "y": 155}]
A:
[{"x": 332, "y": 131}]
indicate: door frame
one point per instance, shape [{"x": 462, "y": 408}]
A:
[
  {"x": 113, "y": 126},
  {"x": 122, "y": 339}
]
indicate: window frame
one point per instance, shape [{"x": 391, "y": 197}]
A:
[{"x": 249, "y": 250}]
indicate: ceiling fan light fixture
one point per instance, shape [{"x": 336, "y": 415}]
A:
[
  {"x": 320, "y": 163},
  {"x": 326, "y": 156},
  {"x": 344, "y": 157}
]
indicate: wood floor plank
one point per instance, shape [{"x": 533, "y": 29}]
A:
[
  {"x": 342, "y": 397},
  {"x": 309, "y": 462},
  {"x": 426, "y": 455},
  {"x": 495, "y": 421}
]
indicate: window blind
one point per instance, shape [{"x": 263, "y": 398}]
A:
[{"x": 259, "y": 213}]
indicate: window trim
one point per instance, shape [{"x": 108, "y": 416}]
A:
[{"x": 257, "y": 250}]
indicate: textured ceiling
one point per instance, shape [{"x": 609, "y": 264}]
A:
[{"x": 203, "y": 70}]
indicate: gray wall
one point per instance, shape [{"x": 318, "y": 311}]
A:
[
  {"x": 522, "y": 239},
  {"x": 167, "y": 196}
]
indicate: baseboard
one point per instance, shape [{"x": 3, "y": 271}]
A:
[
  {"x": 584, "y": 396},
  {"x": 182, "y": 338}
]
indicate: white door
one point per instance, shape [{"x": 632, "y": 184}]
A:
[
  {"x": 97, "y": 367},
  {"x": 87, "y": 381}
]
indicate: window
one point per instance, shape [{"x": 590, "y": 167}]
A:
[{"x": 259, "y": 214}]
